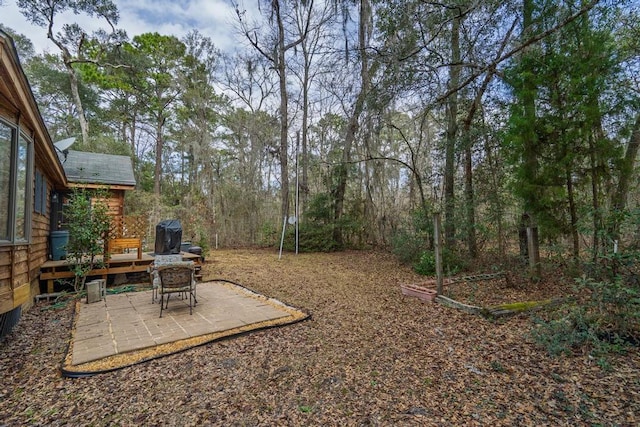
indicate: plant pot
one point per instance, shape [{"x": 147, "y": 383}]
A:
[{"x": 423, "y": 293}]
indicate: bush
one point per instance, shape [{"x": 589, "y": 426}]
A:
[
  {"x": 407, "y": 247},
  {"x": 312, "y": 237},
  {"x": 451, "y": 263},
  {"x": 316, "y": 233},
  {"x": 564, "y": 335},
  {"x": 88, "y": 222},
  {"x": 269, "y": 235},
  {"x": 410, "y": 243},
  {"x": 607, "y": 321},
  {"x": 607, "y": 317}
]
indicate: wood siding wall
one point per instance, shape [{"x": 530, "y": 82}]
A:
[
  {"x": 115, "y": 204},
  {"x": 39, "y": 248},
  {"x": 20, "y": 264}
]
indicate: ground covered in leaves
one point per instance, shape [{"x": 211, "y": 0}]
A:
[{"x": 366, "y": 356}]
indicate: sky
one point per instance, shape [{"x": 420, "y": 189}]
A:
[{"x": 212, "y": 18}]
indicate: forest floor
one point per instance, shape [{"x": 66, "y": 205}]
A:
[{"x": 366, "y": 356}]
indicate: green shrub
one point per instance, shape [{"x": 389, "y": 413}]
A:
[
  {"x": 410, "y": 242},
  {"x": 407, "y": 247},
  {"x": 452, "y": 263},
  {"x": 312, "y": 237},
  {"x": 269, "y": 235},
  {"x": 88, "y": 222},
  {"x": 564, "y": 335},
  {"x": 316, "y": 232},
  {"x": 607, "y": 321}
]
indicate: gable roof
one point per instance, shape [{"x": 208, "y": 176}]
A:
[{"x": 97, "y": 169}]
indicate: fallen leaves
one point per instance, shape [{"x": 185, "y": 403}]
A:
[{"x": 367, "y": 356}]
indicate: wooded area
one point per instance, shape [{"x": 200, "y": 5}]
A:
[
  {"x": 367, "y": 117},
  {"x": 365, "y": 123}
]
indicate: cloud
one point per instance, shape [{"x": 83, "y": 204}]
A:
[
  {"x": 12, "y": 18},
  {"x": 212, "y": 18}
]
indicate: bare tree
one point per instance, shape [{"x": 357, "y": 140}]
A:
[{"x": 274, "y": 48}]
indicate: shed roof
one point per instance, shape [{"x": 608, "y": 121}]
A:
[{"x": 97, "y": 168}]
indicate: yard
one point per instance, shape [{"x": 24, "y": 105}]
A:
[{"x": 366, "y": 356}]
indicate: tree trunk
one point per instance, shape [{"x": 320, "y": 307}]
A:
[
  {"x": 595, "y": 199},
  {"x": 73, "y": 81},
  {"x": 353, "y": 125},
  {"x": 619, "y": 198},
  {"x": 67, "y": 59},
  {"x": 304, "y": 183},
  {"x": 525, "y": 222},
  {"x": 342, "y": 175},
  {"x": 284, "y": 116},
  {"x": 452, "y": 127},
  {"x": 529, "y": 138},
  {"x": 468, "y": 167},
  {"x": 470, "y": 203},
  {"x": 157, "y": 171},
  {"x": 495, "y": 198},
  {"x": 573, "y": 216}
]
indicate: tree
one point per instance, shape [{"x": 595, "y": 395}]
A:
[
  {"x": 88, "y": 223},
  {"x": 366, "y": 71},
  {"x": 576, "y": 74},
  {"x": 72, "y": 40},
  {"x": 200, "y": 108},
  {"x": 274, "y": 48},
  {"x": 629, "y": 42},
  {"x": 24, "y": 45},
  {"x": 306, "y": 73},
  {"x": 159, "y": 60},
  {"x": 452, "y": 131}
]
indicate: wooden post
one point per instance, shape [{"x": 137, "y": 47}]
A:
[
  {"x": 438, "y": 249},
  {"x": 534, "y": 252},
  {"x": 522, "y": 236}
]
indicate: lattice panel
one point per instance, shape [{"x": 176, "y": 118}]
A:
[{"x": 129, "y": 226}]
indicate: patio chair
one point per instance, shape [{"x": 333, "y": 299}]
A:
[
  {"x": 177, "y": 278},
  {"x": 153, "y": 271}
]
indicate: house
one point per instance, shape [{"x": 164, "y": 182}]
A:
[
  {"x": 92, "y": 171},
  {"x": 30, "y": 172}
]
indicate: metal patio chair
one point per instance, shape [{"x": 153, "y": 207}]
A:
[
  {"x": 177, "y": 278},
  {"x": 153, "y": 271}
]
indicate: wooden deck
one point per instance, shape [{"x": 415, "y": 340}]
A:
[{"x": 117, "y": 264}]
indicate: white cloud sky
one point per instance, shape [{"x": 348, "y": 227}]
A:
[{"x": 212, "y": 18}]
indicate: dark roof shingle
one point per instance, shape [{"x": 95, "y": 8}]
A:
[{"x": 98, "y": 168}]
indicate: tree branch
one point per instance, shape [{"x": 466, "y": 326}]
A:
[{"x": 494, "y": 64}]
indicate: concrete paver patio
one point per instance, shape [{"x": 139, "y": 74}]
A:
[{"x": 109, "y": 333}]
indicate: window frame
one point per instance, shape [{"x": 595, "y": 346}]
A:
[{"x": 18, "y": 137}]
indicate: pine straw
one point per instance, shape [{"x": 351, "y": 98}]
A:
[{"x": 369, "y": 356}]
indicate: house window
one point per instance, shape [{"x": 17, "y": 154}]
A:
[
  {"x": 40, "y": 198},
  {"x": 6, "y": 137},
  {"x": 16, "y": 154}
]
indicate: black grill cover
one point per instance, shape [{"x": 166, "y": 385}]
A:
[{"x": 168, "y": 237}]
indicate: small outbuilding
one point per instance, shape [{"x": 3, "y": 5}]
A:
[{"x": 92, "y": 171}]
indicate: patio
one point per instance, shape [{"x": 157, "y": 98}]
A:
[{"x": 125, "y": 329}]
